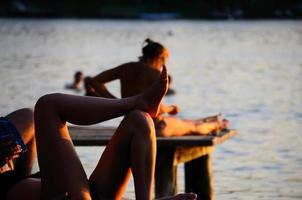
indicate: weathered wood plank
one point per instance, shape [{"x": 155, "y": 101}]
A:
[
  {"x": 165, "y": 172},
  {"x": 100, "y": 136},
  {"x": 199, "y": 177},
  {"x": 194, "y": 150},
  {"x": 186, "y": 154}
]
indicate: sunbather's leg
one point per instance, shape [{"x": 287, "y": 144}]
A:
[
  {"x": 133, "y": 147},
  {"x": 213, "y": 118},
  {"x": 172, "y": 126},
  {"x": 211, "y": 126},
  {"x": 60, "y": 166},
  {"x": 23, "y": 120},
  {"x": 29, "y": 188}
]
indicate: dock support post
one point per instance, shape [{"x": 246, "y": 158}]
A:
[
  {"x": 165, "y": 173},
  {"x": 198, "y": 177}
]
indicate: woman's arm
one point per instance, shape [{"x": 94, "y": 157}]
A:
[
  {"x": 92, "y": 90},
  {"x": 9, "y": 150}
]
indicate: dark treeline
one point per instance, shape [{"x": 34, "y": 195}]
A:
[{"x": 192, "y": 9}]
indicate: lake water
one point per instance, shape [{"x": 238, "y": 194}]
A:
[{"x": 248, "y": 70}]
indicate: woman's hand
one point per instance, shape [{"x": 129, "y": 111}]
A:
[{"x": 9, "y": 150}]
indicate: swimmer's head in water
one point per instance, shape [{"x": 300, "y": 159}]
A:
[{"x": 78, "y": 76}]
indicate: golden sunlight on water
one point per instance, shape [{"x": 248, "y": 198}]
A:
[{"x": 249, "y": 70}]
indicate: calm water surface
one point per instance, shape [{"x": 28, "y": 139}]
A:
[{"x": 250, "y": 71}]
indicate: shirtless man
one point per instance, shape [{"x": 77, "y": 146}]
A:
[{"x": 135, "y": 77}]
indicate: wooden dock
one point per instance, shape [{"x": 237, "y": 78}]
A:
[{"x": 195, "y": 151}]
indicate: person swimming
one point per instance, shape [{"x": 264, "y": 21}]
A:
[{"x": 77, "y": 80}]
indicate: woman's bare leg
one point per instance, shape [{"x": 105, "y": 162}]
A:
[
  {"x": 132, "y": 147},
  {"x": 29, "y": 188},
  {"x": 213, "y": 118},
  {"x": 173, "y": 126},
  {"x": 61, "y": 170},
  {"x": 23, "y": 120}
]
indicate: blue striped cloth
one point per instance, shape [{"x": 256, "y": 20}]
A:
[{"x": 8, "y": 129}]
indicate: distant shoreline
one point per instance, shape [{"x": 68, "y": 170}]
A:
[
  {"x": 109, "y": 17},
  {"x": 153, "y": 10}
]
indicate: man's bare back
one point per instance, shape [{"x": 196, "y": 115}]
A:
[{"x": 134, "y": 78}]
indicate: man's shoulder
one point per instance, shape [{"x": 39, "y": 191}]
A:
[
  {"x": 133, "y": 66},
  {"x": 133, "y": 63}
]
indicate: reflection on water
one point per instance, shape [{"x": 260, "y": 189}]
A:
[{"x": 250, "y": 71}]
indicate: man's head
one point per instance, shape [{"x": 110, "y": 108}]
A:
[{"x": 154, "y": 51}]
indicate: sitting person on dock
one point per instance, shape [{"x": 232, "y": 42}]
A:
[
  {"x": 131, "y": 149},
  {"x": 135, "y": 77}
]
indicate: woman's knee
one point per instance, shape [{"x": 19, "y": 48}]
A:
[
  {"x": 23, "y": 115},
  {"x": 26, "y": 113},
  {"x": 141, "y": 123},
  {"x": 23, "y": 120},
  {"x": 47, "y": 101}
]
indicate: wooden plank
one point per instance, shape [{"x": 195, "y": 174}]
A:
[
  {"x": 171, "y": 150},
  {"x": 100, "y": 136},
  {"x": 186, "y": 154},
  {"x": 91, "y": 136},
  {"x": 199, "y": 177},
  {"x": 165, "y": 172}
]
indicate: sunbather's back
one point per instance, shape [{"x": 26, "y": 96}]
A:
[{"x": 136, "y": 77}]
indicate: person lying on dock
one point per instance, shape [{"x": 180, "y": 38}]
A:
[
  {"x": 132, "y": 148},
  {"x": 135, "y": 77}
]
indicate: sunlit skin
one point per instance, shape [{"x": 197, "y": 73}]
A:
[
  {"x": 23, "y": 120},
  {"x": 131, "y": 149},
  {"x": 134, "y": 78},
  {"x": 9, "y": 150}
]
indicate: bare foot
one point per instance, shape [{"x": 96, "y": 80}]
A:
[
  {"x": 213, "y": 126},
  {"x": 223, "y": 124},
  {"x": 151, "y": 99},
  {"x": 209, "y": 119},
  {"x": 213, "y": 118},
  {"x": 185, "y": 196}
]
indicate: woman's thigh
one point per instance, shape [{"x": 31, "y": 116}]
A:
[
  {"x": 29, "y": 188},
  {"x": 114, "y": 168}
]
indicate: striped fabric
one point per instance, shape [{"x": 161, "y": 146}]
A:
[{"x": 7, "y": 129}]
